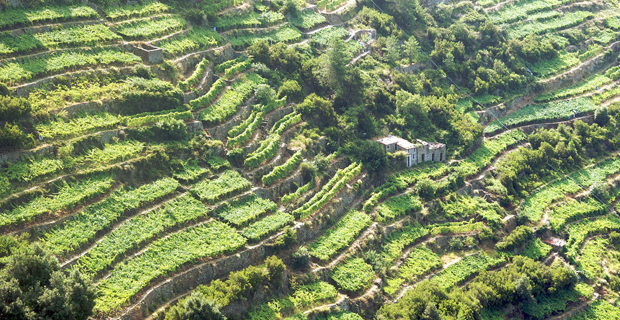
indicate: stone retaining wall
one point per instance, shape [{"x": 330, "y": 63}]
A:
[{"x": 214, "y": 55}]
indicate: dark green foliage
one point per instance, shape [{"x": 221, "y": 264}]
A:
[
  {"x": 197, "y": 307},
  {"x": 564, "y": 148},
  {"x": 33, "y": 286},
  {"x": 488, "y": 291},
  {"x": 4, "y": 90},
  {"x": 259, "y": 51},
  {"x": 518, "y": 237},
  {"x": 12, "y": 109},
  {"x": 370, "y": 153},
  {"x": 13, "y": 137},
  {"x": 300, "y": 258},
  {"x": 291, "y": 89},
  {"x": 240, "y": 286},
  {"x": 149, "y": 95},
  {"x": 170, "y": 129},
  {"x": 318, "y": 110}
]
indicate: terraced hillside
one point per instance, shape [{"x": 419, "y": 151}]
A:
[{"x": 217, "y": 159}]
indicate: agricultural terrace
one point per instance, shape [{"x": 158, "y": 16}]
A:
[{"x": 218, "y": 159}]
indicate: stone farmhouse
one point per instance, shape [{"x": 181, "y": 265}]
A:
[{"x": 418, "y": 152}]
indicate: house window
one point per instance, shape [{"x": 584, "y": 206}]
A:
[
  {"x": 440, "y": 156},
  {"x": 387, "y": 147},
  {"x": 433, "y": 157},
  {"x": 422, "y": 158}
]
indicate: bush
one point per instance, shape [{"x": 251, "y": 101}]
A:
[
  {"x": 264, "y": 94},
  {"x": 13, "y": 108},
  {"x": 4, "y": 90},
  {"x": 290, "y": 88},
  {"x": 300, "y": 258},
  {"x": 12, "y": 136},
  {"x": 426, "y": 189},
  {"x": 149, "y": 95},
  {"x": 519, "y": 236},
  {"x": 169, "y": 129},
  {"x": 197, "y": 307},
  {"x": 276, "y": 270}
]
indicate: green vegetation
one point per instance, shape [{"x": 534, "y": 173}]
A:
[
  {"x": 398, "y": 206},
  {"x": 589, "y": 84},
  {"x": 354, "y": 275},
  {"x": 138, "y": 10},
  {"x": 150, "y": 28},
  {"x": 239, "y": 212},
  {"x": 341, "y": 235},
  {"x": 283, "y": 170},
  {"x": 285, "y": 33},
  {"x": 543, "y": 113},
  {"x": 267, "y": 225},
  {"x": 303, "y": 298},
  {"x": 227, "y": 184},
  {"x": 140, "y": 230},
  {"x": 231, "y": 100},
  {"x": 44, "y": 14},
  {"x": 163, "y": 257},
  {"x": 307, "y": 19},
  {"x": 574, "y": 210},
  {"x": 197, "y": 39},
  {"x": 462, "y": 270},
  {"x": 80, "y": 230},
  {"x": 196, "y": 77}
]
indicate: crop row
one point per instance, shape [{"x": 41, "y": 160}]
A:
[
  {"x": 354, "y": 275},
  {"x": 283, "y": 170},
  {"x": 397, "y": 241},
  {"x": 278, "y": 103},
  {"x": 456, "y": 227},
  {"x": 570, "y": 19},
  {"x": 78, "y": 36},
  {"x": 523, "y": 10},
  {"x": 30, "y": 169},
  {"x": 232, "y": 99},
  {"x": 303, "y": 298},
  {"x": 137, "y": 10},
  {"x": 248, "y": 20},
  {"x": 537, "y": 113},
  {"x": 267, "y": 150},
  {"x": 298, "y": 193},
  {"x": 206, "y": 100},
  {"x": 248, "y": 126},
  {"x": 462, "y": 270},
  {"x": 99, "y": 216},
  {"x": 324, "y": 36},
  {"x": 155, "y": 117},
  {"x": 534, "y": 205},
  {"x": 605, "y": 95},
  {"x": 563, "y": 61},
  {"x": 574, "y": 210},
  {"x": 307, "y": 19},
  {"x": 190, "y": 171},
  {"x": 330, "y": 5},
  {"x": 227, "y": 64},
  {"x": 241, "y": 211},
  {"x": 196, "y": 76},
  {"x": 44, "y": 14},
  {"x": 283, "y": 34},
  {"x": 213, "y": 7},
  {"x": 15, "y": 72},
  {"x": 286, "y": 122},
  {"x": 592, "y": 255},
  {"x": 150, "y": 28},
  {"x": 590, "y": 84},
  {"x": 112, "y": 152},
  {"x": 197, "y": 39},
  {"x": 613, "y": 72},
  {"x": 420, "y": 262},
  {"x": 238, "y": 68},
  {"x": 398, "y": 206},
  {"x": 142, "y": 228},
  {"x": 579, "y": 231},
  {"x": 340, "y": 236},
  {"x": 259, "y": 229},
  {"x": 329, "y": 190},
  {"x": 67, "y": 197},
  {"x": 165, "y": 256},
  {"x": 227, "y": 184}
]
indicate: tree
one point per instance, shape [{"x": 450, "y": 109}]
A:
[
  {"x": 430, "y": 313},
  {"x": 412, "y": 49},
  {"x": 33, "y": 286},
  {"x": 392, "y": 50},
  {"x": 318, "y": 109},
  {"x": 197, "y": 307},
  {"x": 370, "y": 153},
  {"x": 259, "y": 51},
  {"x": 333, "y": 71}
]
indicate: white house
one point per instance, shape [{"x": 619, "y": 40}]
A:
[{"x": 421, "y": 151}]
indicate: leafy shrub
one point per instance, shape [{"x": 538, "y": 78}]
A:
[
  {"x": 169, "y": 129},
  {"x": 301, "y": 257},
  {"x": 149, "y": 95},
  {"x": 195, "y": 78},
  {"x": 13, "y": 108},
  {"x": 12, "y": 136},
  {"x": 354, "y": 275},
  {"x": 519, "y": 236}
]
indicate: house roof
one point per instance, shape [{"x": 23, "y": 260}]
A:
[{"x": 402, "y": 143}]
